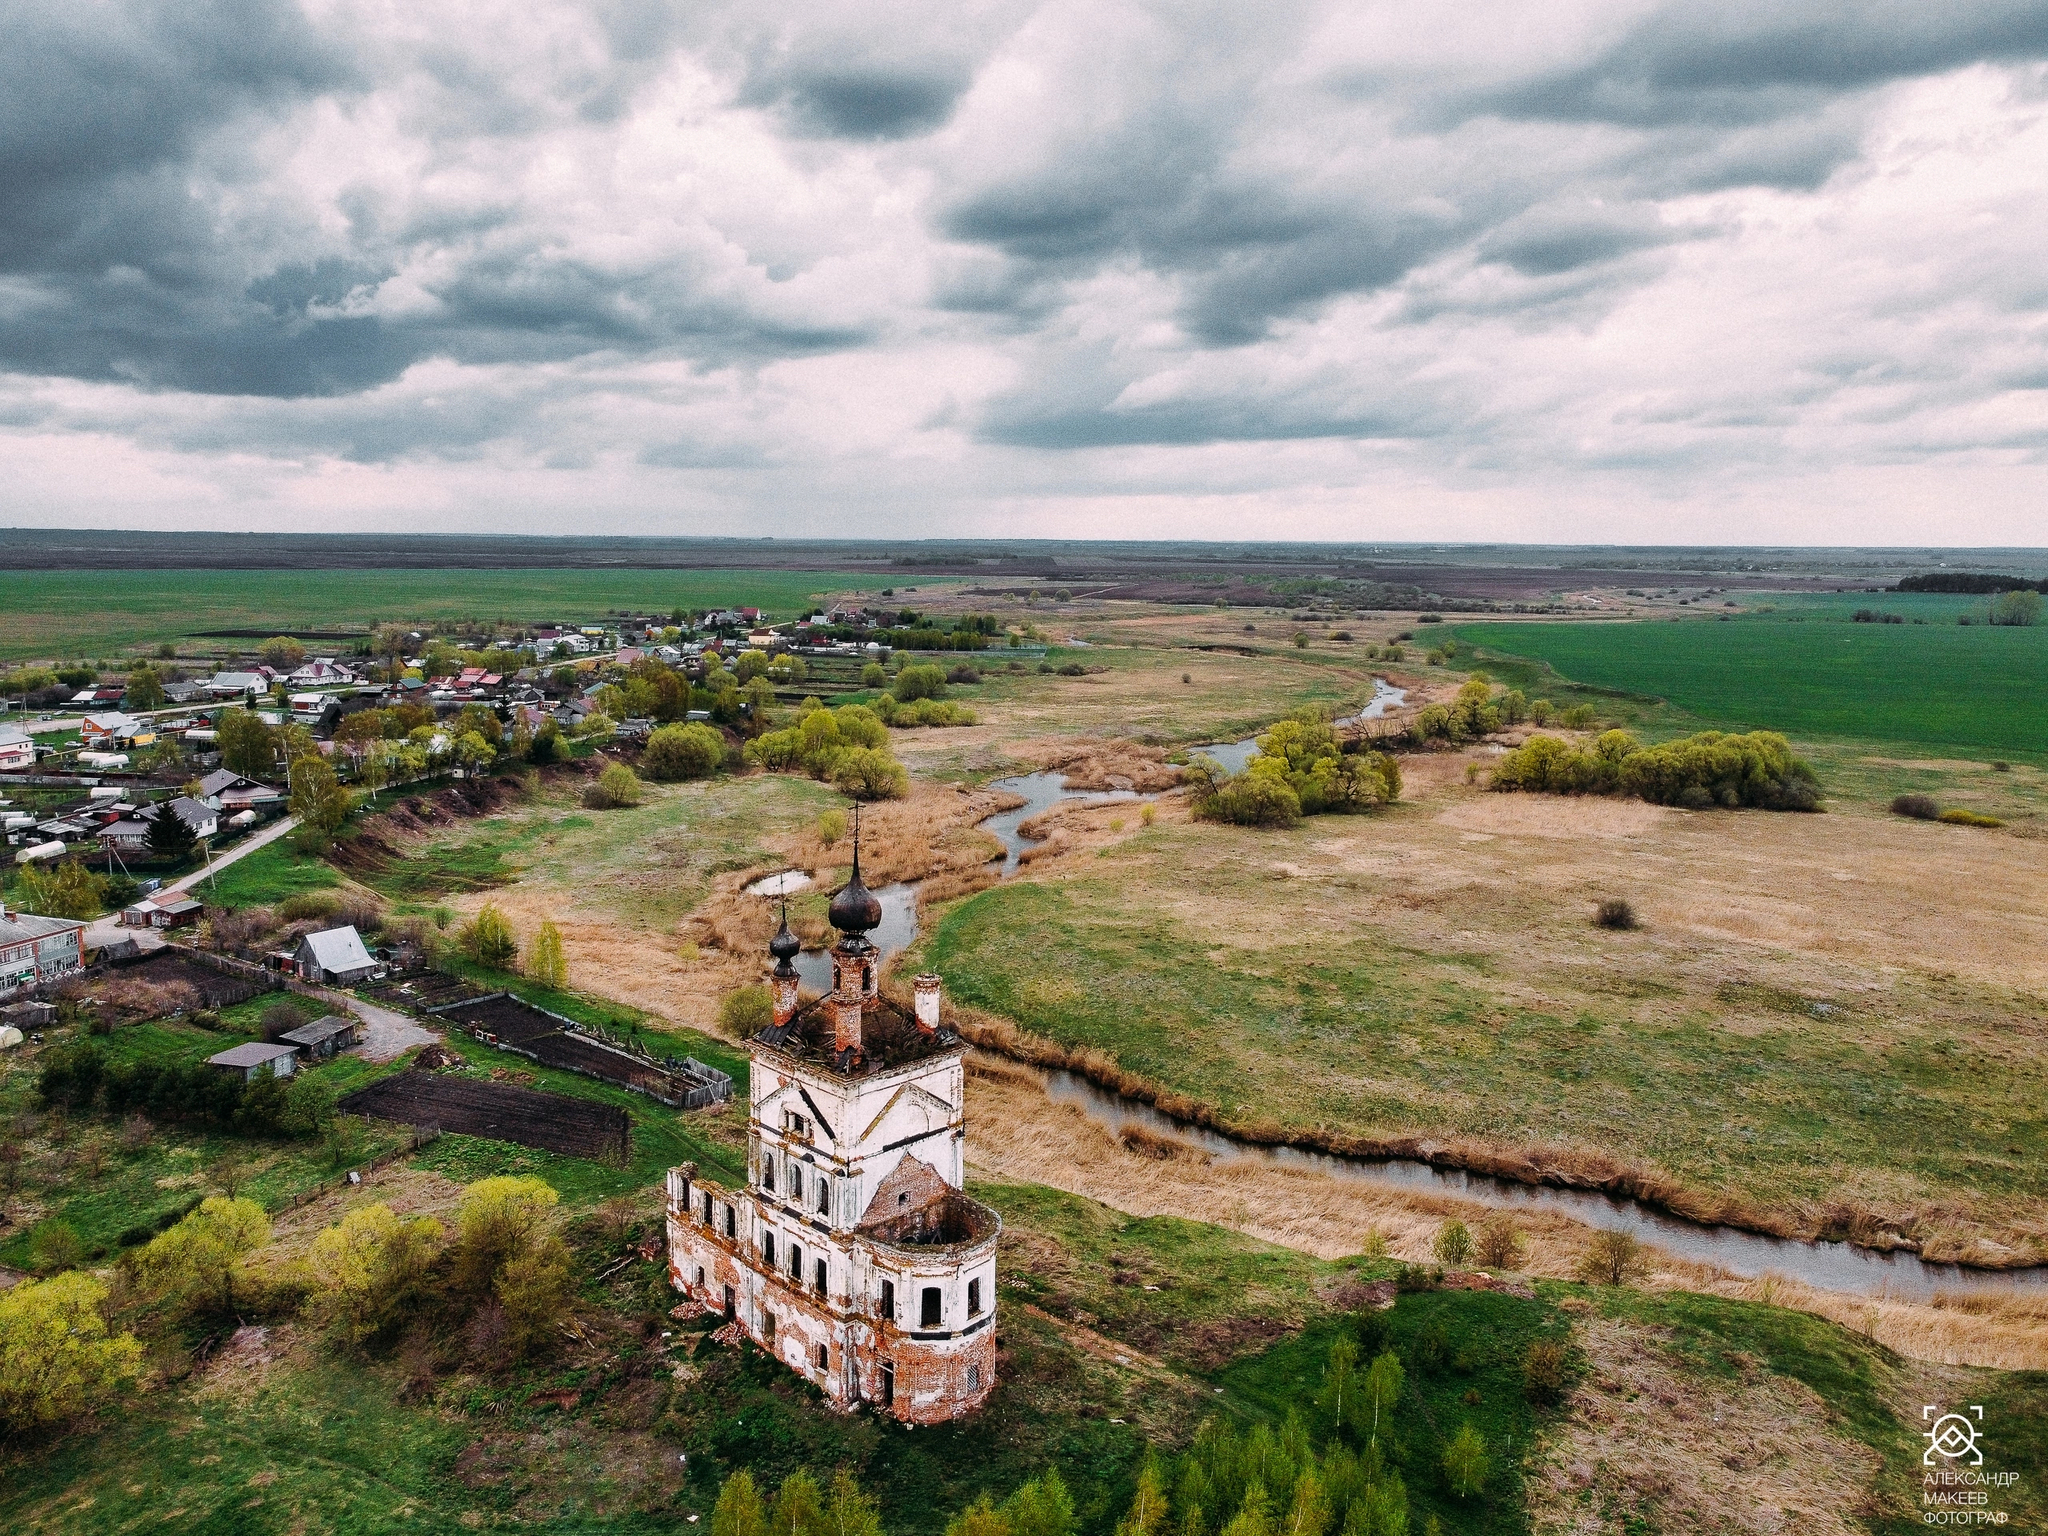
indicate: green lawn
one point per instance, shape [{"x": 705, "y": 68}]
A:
[
  {"x": 66, "y": 614},
  {"x": 1937, "y": 687},
  {"x": 646, "y": 865},
  {"x": 269, "y": 875},
  {"x": 102, "y": 1188}
]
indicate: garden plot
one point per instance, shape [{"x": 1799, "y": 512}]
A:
[
  {"x": 552, "y": 1122},
  {"x": 512, "y": 1024}
]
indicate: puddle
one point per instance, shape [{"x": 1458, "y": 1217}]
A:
[
  {"x": 1840, "y": 1267},
  {"x": 788, "y": 883},
  {"x": 1041, "y": 791}
]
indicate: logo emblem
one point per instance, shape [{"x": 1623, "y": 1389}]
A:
[{"x": 1953, "y": 1437}]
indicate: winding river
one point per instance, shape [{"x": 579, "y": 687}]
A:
[{"x": 1828, "y": 1266}]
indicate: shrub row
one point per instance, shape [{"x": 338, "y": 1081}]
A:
[{"x": 1696, "y": 772}]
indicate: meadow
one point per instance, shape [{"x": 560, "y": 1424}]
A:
[
  {"x": 57, "y": 615},
  {"x": 1434, "y": 972},
  {"x": 1938, "y": 687}
]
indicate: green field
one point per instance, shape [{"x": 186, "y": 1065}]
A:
[
  {"x": 1938, "y": 686},
  {"x": 56, "y": 615}
]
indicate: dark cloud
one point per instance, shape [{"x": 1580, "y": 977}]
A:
[
  {"x": 870, "y": 104},
  {"x": 1547, "y": 241},
  {"x": 1139, "y": 225},
  {"x": 1729, "y": 64}
]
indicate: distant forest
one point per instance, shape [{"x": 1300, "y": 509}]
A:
[{"x": 1975, "y": 583}]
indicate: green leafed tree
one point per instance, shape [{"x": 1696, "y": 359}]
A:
[
  {"x": 58, "y": 1358},
  {"x": 489, "y": 939},
  {"x": 319, "y": 800},
  {"x": 1042, "y": 1507},
  {"x": 1147, "y": 1515},
  {"x": 740, "y": 1510},
  {"x": 1466, "y": 1464},
  {"x": 145, "y": 689},
  {"x": 247, "y": 745},
  {"x": 545, "y": 962},
  {"x": 870, "y": 773},
  {"x": 1382, "y": 1391},
  {"x": 683, "y": 752},
  {"x": 198, "y": 1263},
  {"x": 799, "y": 1507},
  {"x": 370, "y": 1267}
]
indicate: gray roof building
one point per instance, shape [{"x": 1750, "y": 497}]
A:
[
  {"x": 335, "y": 954},
  {"x": 252, "y": 1058}
]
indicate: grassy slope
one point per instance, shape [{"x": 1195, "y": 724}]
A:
[
  {"x": 1937, "y": 686},
  {"x": 98, "y": 613},
  {"x": 647, "y": 865},
  {"x": 109, "y": 1188},
  {"x": 316, "y": 1445},
  {"x": 1315, "y": 1020}
]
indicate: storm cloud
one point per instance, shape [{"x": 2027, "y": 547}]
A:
[{"x": 1604, "y": 270}]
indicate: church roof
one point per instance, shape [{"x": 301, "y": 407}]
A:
[{"x": 889, "y": 1038}]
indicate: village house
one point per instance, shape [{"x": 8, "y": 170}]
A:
[
  {"x": 202, "y": 818},
  {"x": 335, "y": 956},
  {"x": 112, "y": 729},
  {"x": 36, "y": 949},
  {"x": 238, "y": 685},
  {"x": 231, "y": 792},
  {"x": 129, "y": 835},
  {"x": 320, "y": 672},
  {"x": 162, "y": 909},
  {"x": 255, "y": 1058},
  {"x": 17, "y": 749},
  {"x": 853, "y": 1256}
]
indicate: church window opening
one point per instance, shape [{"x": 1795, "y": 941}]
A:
[
  {"x": 974, "y": 1298},
  {"x": 933, "y": 1309},
  {"x": 889, "y": 1300}
]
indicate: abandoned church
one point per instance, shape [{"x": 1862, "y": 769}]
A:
[{"x": 853, "y": 1255}]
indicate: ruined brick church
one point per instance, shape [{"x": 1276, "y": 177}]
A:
[{"x": 853, "y": 1255}]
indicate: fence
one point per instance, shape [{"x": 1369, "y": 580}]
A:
[
  {"x": 421, "y": 1136},
  {"x": 272, "y": 981},
  {"x": 559, "y": 1041}
]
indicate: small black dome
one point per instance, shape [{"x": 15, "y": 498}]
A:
[
  {"x": 785, "y": 945},
  {"x": 855, "y": 909}
]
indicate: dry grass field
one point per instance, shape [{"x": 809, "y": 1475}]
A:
[
  {"x": 1824, "y": 1023},
  {"x": 1020, "y": 1134}
]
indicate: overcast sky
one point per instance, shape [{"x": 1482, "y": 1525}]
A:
[{"x": 1771, "y": 272}]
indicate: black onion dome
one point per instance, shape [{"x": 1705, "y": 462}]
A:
[
  {"x": 855, "y": 909},
  {"x": 785, "y": 945}
]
